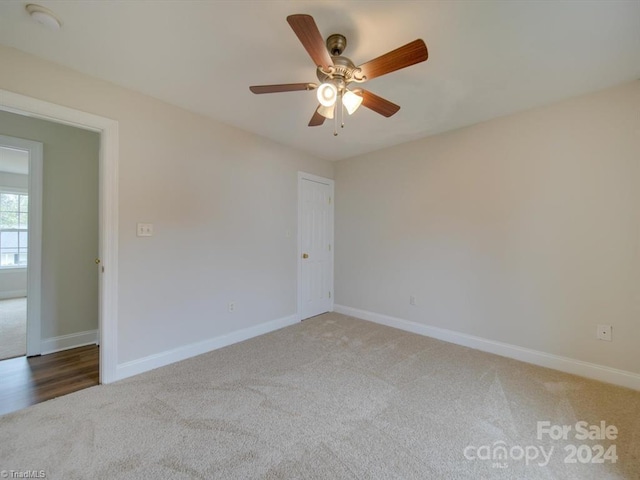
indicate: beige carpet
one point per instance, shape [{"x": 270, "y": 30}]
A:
[
  {"x": 330, "y": 398},
  {"x": 13, "y": 328}
]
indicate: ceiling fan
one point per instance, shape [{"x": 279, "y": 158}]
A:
[{"x": 337, "y": 73}]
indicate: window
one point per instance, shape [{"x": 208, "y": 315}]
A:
[{"x": 14, "y": 222}]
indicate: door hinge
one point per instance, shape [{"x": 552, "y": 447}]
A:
[
  {"x": 329, "y": 294},
  {"x": 329, "y": 247},
  {"x": 329, "y": 200}
]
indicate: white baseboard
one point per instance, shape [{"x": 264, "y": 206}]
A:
[
  {"x": 13, "y": 294},
  {"x": 134, "y": 367},
  {"x": 543, "y": 359},
  {"x": 65, "y": 342}
]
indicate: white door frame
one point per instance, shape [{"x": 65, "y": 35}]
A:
[
  {"x": 327, "y": 181},
  {"x": 34, "y": 263},
  {"x": 108, "y": 210}
]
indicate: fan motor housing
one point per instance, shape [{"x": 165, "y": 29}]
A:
[
  {"x": 343, "y": 68},
  {"x": 336, "y": 44},
  {"x": 343, "y": 71}
]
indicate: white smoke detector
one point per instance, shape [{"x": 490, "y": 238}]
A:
[{"x": 44, "y": 16}]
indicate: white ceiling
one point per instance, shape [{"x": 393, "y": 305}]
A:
[{"x": 486, "y": 58}]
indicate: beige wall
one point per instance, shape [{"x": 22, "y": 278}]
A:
[
  {"x": 522, "y": 229},
  {"x": 69, "y": 222},
  {"x": 221, "y": 201}
]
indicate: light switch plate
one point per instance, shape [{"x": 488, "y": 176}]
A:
[{"x": 145, "y": 229}]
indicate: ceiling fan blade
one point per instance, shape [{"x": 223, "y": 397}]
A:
[
  {"x": 409, "y": 54},
  {"x": 307, "y": 31},
  {"x": 316, "y": 120},
  {"x": 285, "y": 87},
  {"x": 378, "y": 104}
]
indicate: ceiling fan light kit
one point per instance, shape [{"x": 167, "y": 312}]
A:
[
  {"x": 336, "y": 73},
  {"x": 326, "y": 112},
  {"x": 351, "y": 101},
  {"x": 327, "y": 94}
]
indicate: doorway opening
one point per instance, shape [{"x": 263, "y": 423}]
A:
[
  {"x": 107, "y": 130},
  {"x": 20, "y": 245},
  {"x": 58, "y": 275}
]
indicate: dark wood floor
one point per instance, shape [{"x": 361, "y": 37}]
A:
[{"x": 27, "y": 381}]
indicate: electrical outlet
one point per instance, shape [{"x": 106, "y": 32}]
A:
[
  {"x": 232, "y": 306},
  {"x": 604, "y": 332},
  {"x": 145, "y": 230},
  {"x": 412, "y": 300}
]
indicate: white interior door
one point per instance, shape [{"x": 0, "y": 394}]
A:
[{"x": 315, "y": 245}]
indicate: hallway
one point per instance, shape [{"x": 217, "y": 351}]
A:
[{"x": 27, "y": 381}]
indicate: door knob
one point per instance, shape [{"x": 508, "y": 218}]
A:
[
  {"x": 97, "y": 260},
  {"x": 305, "y": 255}
]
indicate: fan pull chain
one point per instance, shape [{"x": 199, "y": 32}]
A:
[
  {"x": 341, "y": 113},
  {"x": 335, "y": 121}
]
